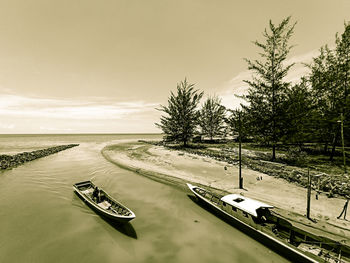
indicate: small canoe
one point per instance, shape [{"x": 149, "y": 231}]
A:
[{"x": 106, "y": 206}]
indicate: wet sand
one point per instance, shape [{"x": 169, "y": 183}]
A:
[{"x": 177, "y": 167}]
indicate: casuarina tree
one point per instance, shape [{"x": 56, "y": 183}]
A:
[
  {"x": 267, "y": 87},
  {"x": 181, "y": 115},
  {"x": 330, "y": 81},
  {"x": 212, "y": 117}
]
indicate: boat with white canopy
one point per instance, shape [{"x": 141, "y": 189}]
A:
[{"x": 254, "y": 218}]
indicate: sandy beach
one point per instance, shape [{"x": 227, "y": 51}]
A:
[{"x": 176, "y": 167}]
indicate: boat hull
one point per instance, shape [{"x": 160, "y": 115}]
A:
[
  {"x": 103, "y": 212},
  {"x": 279, "y": 246}
]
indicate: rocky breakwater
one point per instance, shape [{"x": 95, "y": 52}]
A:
[{"x": 9, "y": 161}]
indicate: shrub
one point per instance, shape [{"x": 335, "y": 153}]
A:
[{"x": 295, "y": 156}]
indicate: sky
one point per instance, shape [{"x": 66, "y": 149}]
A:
[{"x": 104, "y": 66}]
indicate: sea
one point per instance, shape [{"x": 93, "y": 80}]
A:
[{"x": 43, "y": 220}]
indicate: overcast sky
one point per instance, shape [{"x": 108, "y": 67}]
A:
[{"x": 99, "y": 66}]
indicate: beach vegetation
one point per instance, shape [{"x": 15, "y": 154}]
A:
[
  {"x": 212, "y": 118},
  {"x": 330, "y": 83},
  {"x": 181, "y": 114},
  {"x": 267, "y": 89},
  {"x": 298, "y": 122},
  {"x": 236, "y": 124},
  {"x": 305, "y": 123}
]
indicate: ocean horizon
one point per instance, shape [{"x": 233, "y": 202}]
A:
[{"x": 17, "y": 143}]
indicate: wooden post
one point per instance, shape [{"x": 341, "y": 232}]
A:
[
  {"x": 308, "y": 193},
  {"x": 240, "y": 152}
]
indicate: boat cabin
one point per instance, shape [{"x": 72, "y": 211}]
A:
[{"x": 257, "y": 210}]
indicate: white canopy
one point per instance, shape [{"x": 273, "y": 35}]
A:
[{"x": 246, "y": 204}]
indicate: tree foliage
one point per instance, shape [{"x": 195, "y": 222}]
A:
[
  {"x": 276, "y": 111},
  {"x": 237, "y": 124},
  {"x": 212, "y": 117},
  {"x": 330, "y": 80},
  {"x": 267, "y": 90},
  {"x": 299, "y": 115},
  {"x": 181, "y": 117}
]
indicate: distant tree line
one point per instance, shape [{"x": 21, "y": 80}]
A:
[{"x": 277, "y": 112}]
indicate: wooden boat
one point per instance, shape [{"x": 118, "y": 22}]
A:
[
  {"x": 254, "y": 218},
  {"x": 106, "y": 206}
]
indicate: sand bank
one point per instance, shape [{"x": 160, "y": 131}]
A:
[{"x": 176, "y": 167}]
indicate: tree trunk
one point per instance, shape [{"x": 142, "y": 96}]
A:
[
  {"x": 325, "y": 147},
  {"x": 273, "y": 152}
]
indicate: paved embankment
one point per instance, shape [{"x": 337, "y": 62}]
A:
[{"x": 9, "y": 161}]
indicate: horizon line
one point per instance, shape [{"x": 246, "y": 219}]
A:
[{"x": 136, "y": 133}]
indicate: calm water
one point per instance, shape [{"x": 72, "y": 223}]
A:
[{"x": 42, "y": 220}]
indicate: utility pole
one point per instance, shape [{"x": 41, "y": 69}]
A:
[
  {"x": 309, "y": 187},
  {"x": 240, "y": 151},
  {"x": 308, "y": 193},
  {"x": 342, "y": 140}
]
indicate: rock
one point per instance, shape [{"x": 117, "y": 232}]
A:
[{"x": 8, "y": 161}]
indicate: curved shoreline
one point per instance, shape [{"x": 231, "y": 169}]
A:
[
  {"x": 155, "y": 176},
  {"x": 10, "y": 161},
  {"x": 162, "y": 165}
]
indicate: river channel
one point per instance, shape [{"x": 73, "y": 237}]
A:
[{"x": 43, "y": 220}]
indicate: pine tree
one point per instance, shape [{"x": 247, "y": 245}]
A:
[
  {"x": 299, "y": 115},
  {"x": 324, "y": 82},
  {"x": 343, "y": 54},
  {"x": 267, "y": 89},
  {"x": 235, "y": 123},
  {"x": 181, "y": 117},
  {"x": 330, "y": 80},
  {"x": 212, "y": 117}
]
